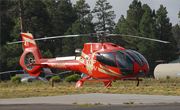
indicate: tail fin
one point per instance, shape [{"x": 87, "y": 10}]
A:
[
  {"x": 31, "y": 55},
  {"x": 28, "y": 40}
]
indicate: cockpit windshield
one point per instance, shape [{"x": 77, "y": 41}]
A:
[{"x": 124, "y": 59}]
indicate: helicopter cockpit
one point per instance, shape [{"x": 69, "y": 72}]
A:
[{"x": 124, "y": 59}]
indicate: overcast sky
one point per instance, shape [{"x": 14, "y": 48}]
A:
[{"x": 121, "y": 6}]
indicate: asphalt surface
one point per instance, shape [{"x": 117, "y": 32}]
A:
[
  {"x": 79, "y": 101},
  {"x": 94, "y": 107},
  {"x": 114, "y": 99}
]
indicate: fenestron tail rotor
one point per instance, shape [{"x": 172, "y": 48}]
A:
[{"x": 29, "y": 59}]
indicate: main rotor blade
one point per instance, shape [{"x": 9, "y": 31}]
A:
[
  {"x": 54, "y": 37},
  {"x": 11, "y": 71},
  {"x": 124, "y": 41},
  {"x": 139, "y": 37}
]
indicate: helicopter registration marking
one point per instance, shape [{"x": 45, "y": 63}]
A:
[{"x": 58, "y": 65}]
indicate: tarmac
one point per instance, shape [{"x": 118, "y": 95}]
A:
[{"x": 105, "y": 99}]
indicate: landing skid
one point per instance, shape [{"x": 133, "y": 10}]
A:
[
  {"x": 137, "y": 79},
  {"x": 107, "y": 83}
]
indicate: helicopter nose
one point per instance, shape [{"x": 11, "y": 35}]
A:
[{"x": 141, "y": 71}]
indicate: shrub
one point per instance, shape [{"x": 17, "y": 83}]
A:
[
  {"x": 56, "y": 79},
  {"x": 167, "y": 77},
  {"x": 16, "y": 79},
  {"x": 73, "y": 78}
]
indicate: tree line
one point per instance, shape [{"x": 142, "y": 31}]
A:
[{"x": 61, "y": 17}]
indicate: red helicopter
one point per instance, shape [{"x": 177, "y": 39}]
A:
[{"x": 103, "y": 61}]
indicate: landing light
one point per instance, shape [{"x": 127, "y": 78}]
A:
[{"x": 141, "y": 72}]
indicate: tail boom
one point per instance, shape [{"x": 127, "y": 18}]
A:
[{"x": 72, "y": 65}]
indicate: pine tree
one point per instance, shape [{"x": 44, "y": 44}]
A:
[
  {"x": 63, "y": 15},
  {"x": 83, "y": 25},
  {"x": 37, "y": 22},
  {"x": 9, "y": 53},
  {"x": 179, "y": 16},
  {"x": 118, "y": 30},
  {"x": 176, "y": 34},
  {"x": 7, "y": 22},
  {"x": 83, "y": 12},
  {"x": 104, "y": 16},
  {"x": 163, "y": 31},
  {"x": 131, "y": 24},
  {"x": 147, "y": 28}
]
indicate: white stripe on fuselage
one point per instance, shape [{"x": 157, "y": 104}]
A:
[{"x": 65, "y": 58}]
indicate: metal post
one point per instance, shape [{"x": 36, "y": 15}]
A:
[{"x": 52, "y": 83}]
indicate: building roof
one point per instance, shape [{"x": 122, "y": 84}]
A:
[{"x": 175, "y": 61}]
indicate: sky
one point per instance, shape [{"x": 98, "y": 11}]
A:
[{"x": 120, "y": 7}]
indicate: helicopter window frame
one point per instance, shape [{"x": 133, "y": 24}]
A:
[
  {"x": 128, "y": 57},
  {"x": 141, "y": 57},
  {"x": 125, "y": 62},
  {"x": 124, "y": 52},
  {"x": 107, "y": 58},
  {"x": 135, "y": 57}
]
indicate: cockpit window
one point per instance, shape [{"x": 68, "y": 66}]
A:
[
  {"x": 107, "y": 58},
  {"x": 125, "y": 63},
  {"x": 123, "y": 60},
  {"x": 135, "y": 57},
  {"x": 141, "y": 57}
]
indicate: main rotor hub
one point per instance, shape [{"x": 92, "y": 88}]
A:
[{"x": 101, "y": 36}]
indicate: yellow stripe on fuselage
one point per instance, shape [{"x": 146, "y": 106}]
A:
[
  {"x": 109, "y": 69},
  {"x": 84, "y": 55},
  {"x": 106, "y": 72}
]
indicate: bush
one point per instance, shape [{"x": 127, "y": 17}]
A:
[
  {"x": 73, "y": 78},
  {"x": 167, "y": 77},
  {"x": 56, "y": 79},
  {"x": 16, "y": 79}
]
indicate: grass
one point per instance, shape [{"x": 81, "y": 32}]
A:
[
  {"x": 130, "y": 102},
  {"x": 36, "y": 89},
  {"x": 85, "y": 105},
  {"x": 89, "y": 104},
  {"x": 98, "y": 103}
]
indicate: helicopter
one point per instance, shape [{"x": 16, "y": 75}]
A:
[{"x": 101, "y": 61}]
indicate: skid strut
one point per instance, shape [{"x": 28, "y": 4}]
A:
[
  {"x": 107, "y": 83},
  {"x": 137, "y": 79}
]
